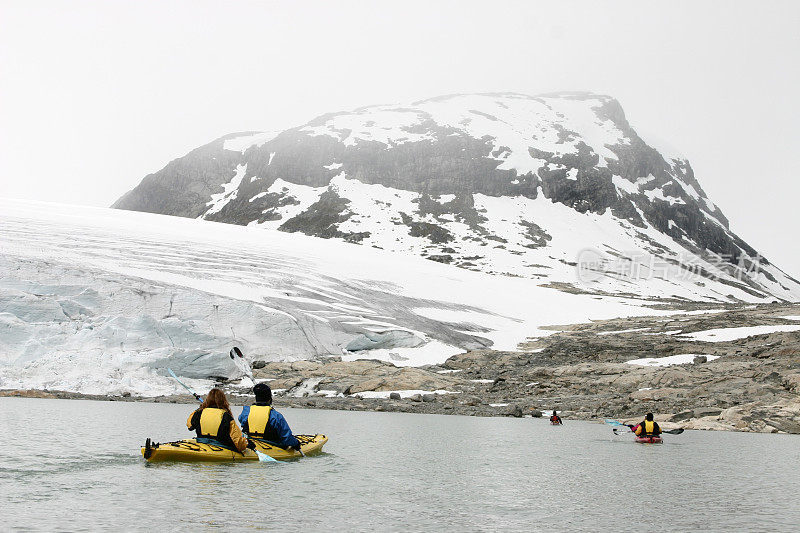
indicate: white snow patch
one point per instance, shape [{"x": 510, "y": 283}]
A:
[
  {"x": 432, "y": 352},
  {"x": 732, "y": 334},
  {"x": 658, "y": 194},
  {"x": 670, "y": 332},
  {"x": 690, "y": 190},
  {"x": 303, "y": 194},
  {"x": 306, "y": 388},
  {"x": 241, "y": 144},
  {"x": 259, "y": 195},
  {"x": 403, "y": 393},
  {"x": 229, "y": 192},
  {"x": 624, "y": 185},
  {"x": 679, "y": 359},
  {"x": 645, "y": 180},
  {"x": 329, "y": 393},
  {"x": 384, "y": 124}
]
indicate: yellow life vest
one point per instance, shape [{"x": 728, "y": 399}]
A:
[
  {"x": 258, "y": 419},
  {"x": 648, "y": 428},
  {"x": 211, "y": 422}
]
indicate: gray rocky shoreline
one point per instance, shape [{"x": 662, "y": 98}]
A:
[{"x": 581, "y": 370}]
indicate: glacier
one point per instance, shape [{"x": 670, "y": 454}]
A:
[{"x": 102, "y": 301}]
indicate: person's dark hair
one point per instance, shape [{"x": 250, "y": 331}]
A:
[
  {"x": 216, "y": 398},
  {"x": 649, "y": 416},
  {"x": 263, "y": 393},
  {"x": 555, "y": 413}
]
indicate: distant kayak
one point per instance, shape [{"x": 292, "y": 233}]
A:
[
  {"x": 649, "y": 440},
  {"x": 191, "y": 451}
]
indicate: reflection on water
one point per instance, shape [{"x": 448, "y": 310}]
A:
[{"x": 75, "y": 464}]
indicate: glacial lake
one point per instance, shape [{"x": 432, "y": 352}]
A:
[{"x": 70, "y": 465}]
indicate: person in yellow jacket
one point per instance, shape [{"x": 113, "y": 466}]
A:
[
  {"x": 647, "y": 427},
  {"x": 214, "y": 423}
]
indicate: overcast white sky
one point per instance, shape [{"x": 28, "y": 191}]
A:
[{"x": 95, "y": 95}]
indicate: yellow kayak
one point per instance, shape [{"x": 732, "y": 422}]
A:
[{"x": 189, "y": 450}]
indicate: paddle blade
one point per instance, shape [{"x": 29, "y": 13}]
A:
[
  {"x": 613, "y": 422},
  {"x": 264, "y": 458},
  {"x": 674, "y": 431}
]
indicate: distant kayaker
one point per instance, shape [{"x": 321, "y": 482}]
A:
[
  {"x": 261, "y": 421},
  {"x": 555, "y": 419},
  {"x": 647, "y": 427},
  {"x": 214, "y": 423}
]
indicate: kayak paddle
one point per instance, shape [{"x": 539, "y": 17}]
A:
[
  {"x": 196, "y": 396},
  {"x": 265, "y": 458}
]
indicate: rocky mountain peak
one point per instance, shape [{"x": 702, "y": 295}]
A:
[{"x": 503, "y": 183}]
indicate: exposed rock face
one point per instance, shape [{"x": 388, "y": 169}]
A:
[
  {"x": 501, "y": 183},
  {"x": 352, "y": 377},
  {"x": 747, "y": 384}
]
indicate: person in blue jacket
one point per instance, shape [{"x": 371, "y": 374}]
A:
[{"x": 261, "y": 421}]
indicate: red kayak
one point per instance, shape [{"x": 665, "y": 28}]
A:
[{"x": 649, "y": 440}]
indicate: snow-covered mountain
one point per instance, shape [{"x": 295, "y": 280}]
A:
[
  {"x": 103, "y": 301},
  {"x": 558, "y": 188}
]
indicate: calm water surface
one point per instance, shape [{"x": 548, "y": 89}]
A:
[{"x": 75, "y": 466}]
